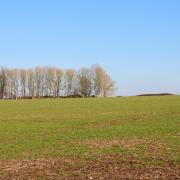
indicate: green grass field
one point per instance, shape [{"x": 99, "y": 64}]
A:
[{"x": 138, "y": 131}]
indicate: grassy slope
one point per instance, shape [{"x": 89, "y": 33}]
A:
[{"x": 59, "y": 128}]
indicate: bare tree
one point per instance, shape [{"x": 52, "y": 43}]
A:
[
  {"x": 58, "y": 81},
  {"x": 75, "y": 85},
  {"x": 48, "y": 81},
  {"x": 98, "y": 76},
  {"x": 31, "y": 82},
  {"x": 68, "y": 78},
  {"x": 85, "y": 82},
  {"x": 3, "y": 82},
  {"x": 14, "y": 80},
  {"x": 9, "y": 88},
  {"x": 39, "y": 81},
  {"x": 23, "y": 81},
  {"x": 103, "y": 84},
  {"x": 108, "y": 85}
]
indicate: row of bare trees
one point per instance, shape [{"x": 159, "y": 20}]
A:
[{"x": 54, "y": 82}]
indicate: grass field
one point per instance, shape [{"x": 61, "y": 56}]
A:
[{"x": 90, "y": 138}]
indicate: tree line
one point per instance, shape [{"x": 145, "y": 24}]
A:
[{"x": 54, "y": 82}]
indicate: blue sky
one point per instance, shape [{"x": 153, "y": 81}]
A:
[{"x": 137, "y": 42}]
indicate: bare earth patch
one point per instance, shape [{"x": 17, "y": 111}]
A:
[
  {"x": 152, "y": 150},
  {"x": 125, "y": 143},
  {"x": 107, "y": 167}
]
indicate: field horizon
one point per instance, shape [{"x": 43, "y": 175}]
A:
[{"x": 78, "y": 96}]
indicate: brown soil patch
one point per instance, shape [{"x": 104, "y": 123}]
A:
[
  {"x": 125, "y": 143},
  {"x": 151, "y": 151},
  {"x": 107, "y": 167},
  {"x": 105, "y": 123}
]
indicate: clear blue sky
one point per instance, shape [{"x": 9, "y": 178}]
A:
[{"x": 136, "y": 41}]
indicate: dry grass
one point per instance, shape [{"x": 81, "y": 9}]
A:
[{"x": 107, "y": 167}]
